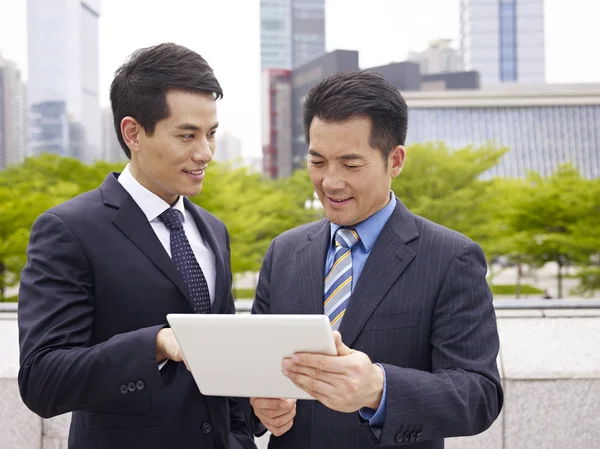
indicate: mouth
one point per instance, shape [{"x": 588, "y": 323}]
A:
[
  {"x": 197, "y": 175},
  {"x": 336, "y": 202}
]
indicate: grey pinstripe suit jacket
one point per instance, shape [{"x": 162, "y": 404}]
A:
[{"x": 422, "y": 308}]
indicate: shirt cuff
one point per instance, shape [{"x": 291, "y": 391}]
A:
[
  {"x": 161, "y": 364},
  {"x": 376, "y": 417}
]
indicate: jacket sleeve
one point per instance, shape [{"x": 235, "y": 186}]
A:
[
  {"x": 463, "y": 394},
  {"x": 59, "y": 371}
]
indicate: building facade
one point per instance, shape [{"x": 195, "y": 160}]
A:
[
  {"x": 276, "y": 123},
  {"x": 440, "y": 57},
  {"x": 503, "y": 40},
  {"x": 63, "y": 100},
  {"x": 542, "y": 125},
  {"x": 12, "y": 115},
  {"x": 292, "y": 32}
]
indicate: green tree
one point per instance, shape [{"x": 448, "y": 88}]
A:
[
  {"x": 445, "y": 186},
  {"x": 548, "y": 216}
]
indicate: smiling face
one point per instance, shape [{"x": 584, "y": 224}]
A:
[
  {"x": 350, "y": 177},
  {"x": 171, "y": 161}
]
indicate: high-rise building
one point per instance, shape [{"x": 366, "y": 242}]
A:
[
  {"x": 440, "y": 57},
  {"x": 503, "y": 40},
  {"x": 64, "y": 110},
  {"x": 111, "y": 148},
  {"x": 12, "y": 110},
  {"x": 292, "y": 32},
  {"x": 276, "y": 123}
]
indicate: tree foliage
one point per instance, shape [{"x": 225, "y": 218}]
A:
[{"x": 529, "y": 221}]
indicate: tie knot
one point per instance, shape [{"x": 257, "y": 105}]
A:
[
  {"x": 172, "y": 218},
  {"x": 346, "y": 237}
]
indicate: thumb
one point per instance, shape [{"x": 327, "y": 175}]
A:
[{"x": 341, "y": 348}]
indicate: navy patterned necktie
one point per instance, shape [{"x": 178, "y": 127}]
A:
[{"x": 184, "y": 259}]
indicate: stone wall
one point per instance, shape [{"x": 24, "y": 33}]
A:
[{"x": 549, "y": 363}]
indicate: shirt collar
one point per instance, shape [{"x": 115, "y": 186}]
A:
[
  {"x": 151, "y": 204},
  {"x": 369, "y": 229}
]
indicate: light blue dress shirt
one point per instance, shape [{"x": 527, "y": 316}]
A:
[{"x": 368, "y": 231}]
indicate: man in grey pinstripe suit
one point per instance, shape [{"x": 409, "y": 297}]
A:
[{"x": 417, "y": 341}]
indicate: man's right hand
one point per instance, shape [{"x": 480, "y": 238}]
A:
[
  {"x": 167, "y": 347},
  {"x": 277, "y": 415}
]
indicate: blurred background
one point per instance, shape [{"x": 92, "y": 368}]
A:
[{"x": 503, "y": 145}]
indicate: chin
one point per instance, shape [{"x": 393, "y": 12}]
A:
[
  {"x": 339, "y": 219},
  {"x": 192, "y": 191}
]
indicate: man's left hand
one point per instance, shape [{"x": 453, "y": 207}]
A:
[{"x": 345, "y": 382}]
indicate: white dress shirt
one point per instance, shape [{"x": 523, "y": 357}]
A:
[{"x": 152, "y": 206}]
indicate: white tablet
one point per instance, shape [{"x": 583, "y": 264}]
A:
[{"x": 241, "y": 355}]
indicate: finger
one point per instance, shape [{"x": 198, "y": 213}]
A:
[
  {"x": 279, "y": 413},
  {"x": 272, "y": 404},
  {"x": 330, "y": 378},
  {"x": 277, "y": 418},
  {"x": 341, "y": 348},
  {"x": 278, "y": 431},
  {"x": 320, "y": 362},
  {"x": 312, "y": 386},
  {"x": 186, "y": 365}
]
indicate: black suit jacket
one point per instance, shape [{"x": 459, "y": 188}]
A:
[
  {"x": 422, "y": 308},
  {"x": 94, "y": 293}
]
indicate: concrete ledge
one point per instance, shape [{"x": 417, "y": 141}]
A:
[{"x": 550, "y": 368}]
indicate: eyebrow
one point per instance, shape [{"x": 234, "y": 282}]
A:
[
  {"x": 343, "y": 157},
  {"x": 190, "y": 127}
]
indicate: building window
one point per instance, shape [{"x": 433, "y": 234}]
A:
[{"x": 508, "y": 40}]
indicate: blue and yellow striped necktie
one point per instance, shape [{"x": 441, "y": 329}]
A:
[{"x": 338, "y": 283}]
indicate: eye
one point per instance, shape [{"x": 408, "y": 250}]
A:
[
  {"x": 316, "y": 162},
  {"x": 352, "y": 167},
  {"x": 186, "y": 136},
  {"x": 212, "y": 134}
]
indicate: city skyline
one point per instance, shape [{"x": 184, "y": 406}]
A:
[{"x": 125, "y": 27}]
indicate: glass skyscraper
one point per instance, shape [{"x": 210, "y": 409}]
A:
[
  {"x": 503, "y": 39},
  {"x": 292, "y": 32},
  {"x": 64, "y": 109}
]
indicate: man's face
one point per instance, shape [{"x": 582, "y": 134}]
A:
[
  {"x": 172, "y": 161},
  {"x": 349, "y": 176}
]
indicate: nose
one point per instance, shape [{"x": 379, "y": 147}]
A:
[
  {"x": 203, "y": 152},
  {"x": 333, "y": 182}
]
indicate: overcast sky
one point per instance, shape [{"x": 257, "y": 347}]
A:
[{"x": 226, "y": 33}]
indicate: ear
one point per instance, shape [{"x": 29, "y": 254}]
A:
[
  {"x": 396, "y": 160},
  {"x": 130, "y": 130}
]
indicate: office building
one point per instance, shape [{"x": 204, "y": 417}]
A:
[
  {"x": 292, "y": 32},
  {"x": 12, "y": 112},
  {"x": 63, "y": 100},
  {"x": 503, "y": 40},
  {"x": 439, "y": 57},
  {"x": 542, "y": 125}
]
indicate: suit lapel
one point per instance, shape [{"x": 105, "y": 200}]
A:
[
  {"x": 132, "y": 222},
  {"x": 310, "y": 267},
  {"x": 209, "y": 236},
  {"x": 388, "y": 259}
]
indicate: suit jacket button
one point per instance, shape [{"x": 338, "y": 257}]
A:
[
  {"x": 123, "y": 389},
  {"x": 131, "y": 386},
  {"x": 140, "y": 385},
  {"x": 419, "y": 436},
  {"x": 399, "y": 437},
  {"x": 407, "y": 437},
  {"x": 206, "y": 427},
  {"x": 413, "y": 437}
]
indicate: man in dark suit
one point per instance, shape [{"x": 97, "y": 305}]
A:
[
  {"x": 105, "y": 268},
  {"x": 411, "y": 310}
]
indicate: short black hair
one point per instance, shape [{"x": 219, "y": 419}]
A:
[
  {"x": 140, "y": 85},
  {"x": 360, "y": 93}
]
